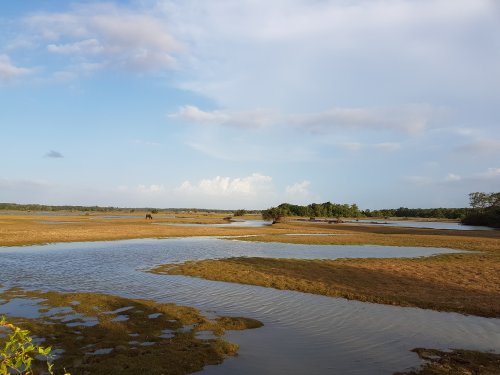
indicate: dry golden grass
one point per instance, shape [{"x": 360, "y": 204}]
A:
[
  {"x": 28, "y": 230},
  {"x": 463, "y": 283}
]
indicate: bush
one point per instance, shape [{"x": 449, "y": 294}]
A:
[{"x": 19, "y": 351}]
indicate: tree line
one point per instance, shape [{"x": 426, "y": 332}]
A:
[
  {"x": 438, "y": 213},
  {"x": 484, "y": 210}
]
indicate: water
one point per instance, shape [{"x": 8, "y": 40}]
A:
[
  {"x": 303, "y": 333},
  {"x": 421, "y": 224},
  {"x": 243, "y": 223}
]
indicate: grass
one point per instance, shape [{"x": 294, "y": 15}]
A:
[
  {"x": 61, "y": 324},
  {"x": 467, "y": 284}
]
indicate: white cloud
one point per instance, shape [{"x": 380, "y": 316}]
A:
[
  {"x": 243, "y": 119},
  {"x": 154, "y": 189},
  {"x": 409, "y": 119},
  {"x": 299, "y": 193},
  {"x": 298, "y": 53},
  {"x": 88, "y": 46},
  {"x": 107, "y": 34},
  {"x": 226, "y": 186},
  {"x": 453, "y": 177},
  {"x": 299, "y": 188},
  {"x": 10, "y": 71}
]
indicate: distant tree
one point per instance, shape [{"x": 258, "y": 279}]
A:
[{"x": 241, "y": 212}]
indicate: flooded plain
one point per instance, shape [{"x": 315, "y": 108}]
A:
[{"x": 302, "y": 333}]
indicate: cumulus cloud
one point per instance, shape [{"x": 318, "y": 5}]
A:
[
  {"x": 227, "y": 186},
  {"x": 54, "y": 154},
  {"x": 299, "y": 193},
  {"x": 107, "y": 34},
  {"x": 408, "y": 119},
  {"x": 9, "y": 71}
]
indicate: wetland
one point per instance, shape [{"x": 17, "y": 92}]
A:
[{"x": 428, "y": 293}]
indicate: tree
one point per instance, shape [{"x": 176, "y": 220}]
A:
[
  {"x": 479, "y": 200},
  {"x": 240, "y": 212},
  {"x": 276, "y": 214}
]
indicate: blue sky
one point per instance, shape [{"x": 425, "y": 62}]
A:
[{"x": 224, "y": 104}]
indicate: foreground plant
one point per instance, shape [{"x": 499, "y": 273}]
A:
[{"x": 19, "y": 351}]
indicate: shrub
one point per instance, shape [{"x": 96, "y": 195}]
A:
[{"x": 19, "y": 351}]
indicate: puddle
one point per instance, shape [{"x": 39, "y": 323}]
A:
[
  {"x": 186, "y": 328},
  {"x": 120, "y": 310},
  {"x": 154, "y": 316},
  {"x": 205, "y": 335},
  {"x": 22, "y": 308},
  {"x": 103, "y": 351},
  {"x": 85, "y": 322},
  {"x": 120, "y": 318},
  {"x": 167, "y": 334}
]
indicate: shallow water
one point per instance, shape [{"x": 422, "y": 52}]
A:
[
  {"x": 243, "y": 223},
  {"x": 421, "y": 224},
  {"x": 303, "y": 333}
]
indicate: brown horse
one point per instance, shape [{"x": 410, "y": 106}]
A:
[{"x": 148, "y": 216}]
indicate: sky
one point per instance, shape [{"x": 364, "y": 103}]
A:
[{"x": 250, "y": 103}]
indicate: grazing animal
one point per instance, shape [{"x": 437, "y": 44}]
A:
[{"x": 148, "y": 216}]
